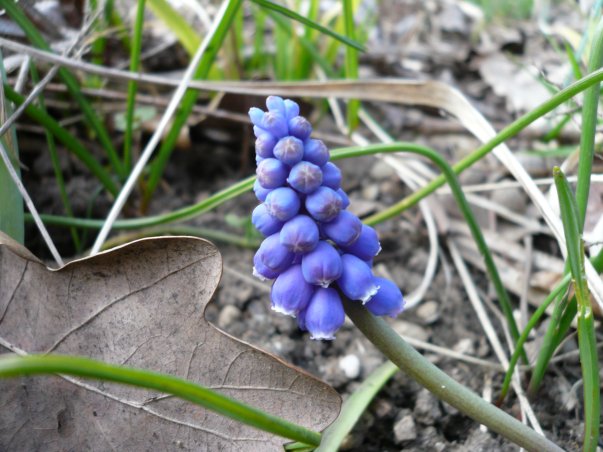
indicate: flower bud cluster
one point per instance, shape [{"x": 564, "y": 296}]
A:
[{"x": 312, "y": 242}]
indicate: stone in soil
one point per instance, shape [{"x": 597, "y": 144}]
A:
[{"x": 405, "y": 428}]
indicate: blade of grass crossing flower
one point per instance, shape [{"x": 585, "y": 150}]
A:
[
  {"x": 56, "y": 166},
  {"x": 354, "y": 406},
  {"x": 309, "y": 23},
  {"x": 586, "y": 333},
  {"x": 132, "y": 85},
  {"x": 189, "y": 99},
  {"x": 185, "y": 34},
  {"x": 70, "y": 82},
  {"x": 11, "y": 203},
  {"x": 14, "y": 366},
  {"x": 351, "y": 62},
  {"x": 72, "y": 143}
]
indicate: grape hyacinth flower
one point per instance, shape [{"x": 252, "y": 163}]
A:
[{"x": 314, "y": 248}]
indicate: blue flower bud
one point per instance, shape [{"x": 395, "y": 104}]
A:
[
  {"x": 272, "y": 173},
  {"x": 300, "y": 234},
  {"x": 264, "y": 222},
  {"x": 290, "y": 292},
  {"x": 357, "y": 281},
  {"x": 366, "y": 246},
  {"x": 345, "y": 201},
  {"x": 291, "y": 109},
  {"x": 387, "y": 301},
  {"x": 276, "y": 103},
  {"x": 331, "y": 176},
  {"x": 261, "y": 271},
  {"x": 323, "y": 204},
  {"x": 256, "y": 116},
  {"x": 305, "y": 177},
  {"x": 260, "y": 192},
  {"x": 322, "y": 266},
  {"x": 264, "y": 144},
  {"x": 274, "y": 122},
  {"x": 316, "y": 152},
  {"x": 274, "y": 255},
  {"x": 324, "y": 315},
  {"x": 289, "y": 150},
  {"x": 344, "y": 229},
  {"x": 300, "y": 127},
  {"x": 282, "y": 203}
]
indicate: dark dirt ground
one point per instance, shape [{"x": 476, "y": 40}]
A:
[{"x": 430, "y": 40}]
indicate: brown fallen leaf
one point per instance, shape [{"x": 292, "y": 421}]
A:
[{"x": 140, "y": 305}]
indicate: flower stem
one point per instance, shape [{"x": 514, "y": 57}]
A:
[{"x": 440, "y": 384}]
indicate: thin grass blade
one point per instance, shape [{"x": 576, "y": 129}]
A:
[
  {"x": 309, "y": 23},
  {"x": 351, "y": 63},
  {"x": 14, "y": 366},
  {"x": 185, "y": 34},
  {"x": 586, "y": 332},
  {"x": 12, "y": 220},
  {"x": 132, "y": 85}
]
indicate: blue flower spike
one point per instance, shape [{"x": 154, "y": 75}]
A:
[{"x": 314, "y": 248}]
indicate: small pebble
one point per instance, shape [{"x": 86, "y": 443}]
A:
[
  {"x": 350, "y": 365},
  {"x": 427, "y": 408},
  {"x": 381, "y": 170},
  {"x": 370, "y": 192},
  {"x": 429, "y": 312},
  {"x": 405, "y": 429},
  {"x": 228, "y": 316}
]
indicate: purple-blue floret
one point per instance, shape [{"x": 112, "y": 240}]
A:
[{"x": 314, "y": 249}]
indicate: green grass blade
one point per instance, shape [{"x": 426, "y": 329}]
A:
[
  {"x": 61, "y": 134},
  {"x": 56, "y": 166},
  {"x": 132, "y": 85},
  {"x": 12, "y": 220},
  {"x": 188, "y": 101},
  {"x": 556, "y": 331},
  {"x": 354, "y": 406},
  {"x": 14, "y": 366},
  {"x": 351, "y": 63},
  {"x": 185, "y": 34},
  {"x": 305, "y": 60},
  {"x": 309, "y": 23},
  {"x": 589, "y": 124},
  {"x": 586, "y": 334},
  {"x": 70, "y": 82},
  {"x": 285, "y": 25}
]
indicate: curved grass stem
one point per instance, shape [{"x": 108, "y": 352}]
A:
[{"x": 441, "y": 385}]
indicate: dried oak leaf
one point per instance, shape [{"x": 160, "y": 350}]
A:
[{"x": 139, "y": 305}]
